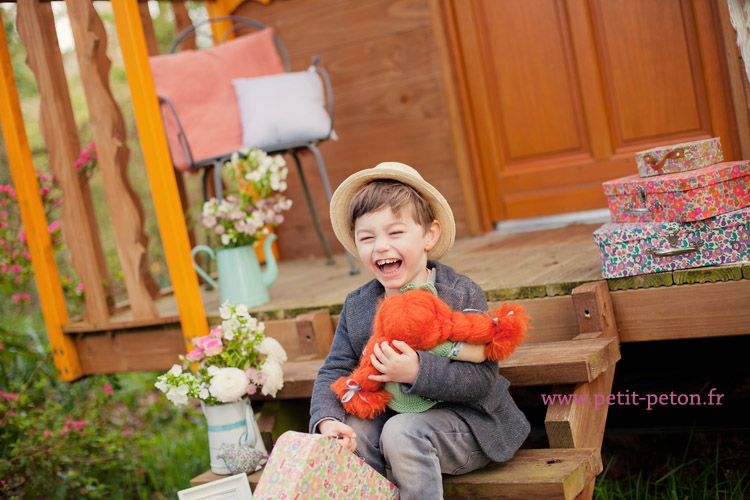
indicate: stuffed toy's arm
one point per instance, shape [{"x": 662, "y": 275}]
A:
[{"x": 444, "y": 380}]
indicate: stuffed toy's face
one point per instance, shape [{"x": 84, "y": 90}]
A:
[
  {"x": 394, "y": 248},
  {"x": 411, "y": 318}
]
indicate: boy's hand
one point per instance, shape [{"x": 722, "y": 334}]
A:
[
  {"x": 346, "y": 435},
  {"x": 401, "y": 367}
]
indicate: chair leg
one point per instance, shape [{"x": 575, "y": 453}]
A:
[
  {"x": 313, "y": 212},
  {"x": 217, "y": 180},
  {"x": 327, "y": 185}
]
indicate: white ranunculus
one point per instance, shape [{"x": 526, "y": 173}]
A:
[
  {"x": 229, "y": 385},
  {"x": 271, "y": 347},
  {"x": 213, "y": 370},
  {"x": 175, "y": 371},
  {"x": 273, "y": 377},
  {"x": 225, "y": 311}
]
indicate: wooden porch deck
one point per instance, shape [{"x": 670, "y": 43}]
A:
[{"x": 508, "y": 266}]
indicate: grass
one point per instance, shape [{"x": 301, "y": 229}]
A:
[{"x": 700, "y": 473}]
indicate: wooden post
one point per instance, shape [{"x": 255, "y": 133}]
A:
[
  {"x": 34, "y": 220},
  {"x": 582, "y": 425},
  {"x": 36, "y": 27},
  {"x": 159, "y": 167}
]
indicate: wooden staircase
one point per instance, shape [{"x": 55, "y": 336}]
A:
[{"x": 582, "y": 365}]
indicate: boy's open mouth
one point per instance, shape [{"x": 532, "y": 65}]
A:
[{"x": 388, "y": 266}]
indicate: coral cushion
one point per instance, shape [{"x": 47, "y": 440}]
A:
[{"x": 199, "y": 84}]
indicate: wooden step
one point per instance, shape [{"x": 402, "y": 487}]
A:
[
  {"x": 548, "y": 363},
  {"x": 531, "y": 474},
  {"x": 564, "y": 362}
]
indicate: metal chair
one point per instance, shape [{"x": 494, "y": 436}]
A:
[{"x": 211, "y": 165}]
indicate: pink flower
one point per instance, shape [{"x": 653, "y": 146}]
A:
[
  {"x": 213, "y": 347},
  {"x": 201, "y": 342},
  {"x": 15, "y": 268},
  {"x": 47, "y": 433},
  {"x": 25, "y": 296},
  {"x": 219, "y": 229},
  {"x": 251, "y": 389},
  {"x": 195, "y": 355},
  {"x": 4, "y": 214},
  {"x": 16, "y": 297},
  {"x": 42, "y": 178},
  {"x": 44, "y": 191},
  {"x": 79, "y": 287},
  {"x": 22, "y": 235},
  {"x": 4, "y": 267},
  {"x": 217, "y": 332},
  {"x": 2, "y": 346},
  {"x": 53, "y": 227},
  {"x": 3, "y": 224},
  {"x": 127, "y": 432},
  {"x": 108, "y": 389}
]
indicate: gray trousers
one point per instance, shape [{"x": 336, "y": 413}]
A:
[{"x": 418, "y": 448}]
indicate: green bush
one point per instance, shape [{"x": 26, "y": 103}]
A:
[{"x": 100, "y": 437}]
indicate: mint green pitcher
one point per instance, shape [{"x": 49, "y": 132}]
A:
[{"x": 240, "y": 279}]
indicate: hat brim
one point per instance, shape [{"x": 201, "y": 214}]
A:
[{"x": 343, "y": 195}]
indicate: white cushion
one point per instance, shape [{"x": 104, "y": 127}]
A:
[{"x": 282, "y": 109}]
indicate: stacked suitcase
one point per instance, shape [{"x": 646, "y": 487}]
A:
[{"x": 686, "y": 208}]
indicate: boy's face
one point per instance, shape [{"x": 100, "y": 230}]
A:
[{"x": 394, "y": 249}]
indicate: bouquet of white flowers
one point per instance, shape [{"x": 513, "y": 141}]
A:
[
  {"x": 245, "y": 216},
  {"x": 235, "y": 359}
]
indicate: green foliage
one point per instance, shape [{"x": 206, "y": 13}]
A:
[{"x": 101, "y": 437}]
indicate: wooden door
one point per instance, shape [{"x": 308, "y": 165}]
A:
[{"x": 561, "y": 93}]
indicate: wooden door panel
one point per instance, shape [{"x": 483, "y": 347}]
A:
[
  {"x": 563, "y": 92},
  {"x": 651, "y": 70},
  {"x": 546, "y": 118}
]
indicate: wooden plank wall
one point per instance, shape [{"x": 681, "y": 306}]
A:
[{"x": 390, "y": 103}]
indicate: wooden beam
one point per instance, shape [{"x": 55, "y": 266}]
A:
[
  {"x": 159, "y": 167},
  {"x": 33, "y": 218},
  {"x": 683, "y": 312}
]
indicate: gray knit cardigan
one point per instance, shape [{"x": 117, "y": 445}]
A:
[{"x": 475, "y": 391}]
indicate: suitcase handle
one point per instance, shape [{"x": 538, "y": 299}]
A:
[
  {"x": 631, "y": 207},
  {"x": 657, "y": 165},
  {"x": 671, "y": 252}
]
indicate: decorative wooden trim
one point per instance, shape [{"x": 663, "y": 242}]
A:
[
  {"x": 738, "y": 82},
  {"x": 33, "y": 218},
  {"x": 148, "y": 29},
  {"x": 160, "y": 171},
  {"x": 109, "y": 131},
  {"x": 36, "y": 29}
]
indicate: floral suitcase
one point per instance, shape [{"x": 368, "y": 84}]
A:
[
  {"x": 679, "y": 157},
  {"x": 315, "y": 466},
  {"x": 680, "y": 197},
  {"x": 643, "y": 248}
]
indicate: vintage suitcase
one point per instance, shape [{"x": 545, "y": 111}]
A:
[
  {"x": 315, "y": 466},
  {"x": 643, "y": 248},
  {"x": 679, "y": 157},
  {"x": 680, "y": 197}
]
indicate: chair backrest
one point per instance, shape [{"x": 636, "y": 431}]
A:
[{"x": 196, "y": 86}]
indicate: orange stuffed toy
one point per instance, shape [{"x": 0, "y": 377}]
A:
[{"x": 424, "y": 321}]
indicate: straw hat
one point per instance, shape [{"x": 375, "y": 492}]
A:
[{"x": 396, "y": 172}]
